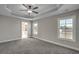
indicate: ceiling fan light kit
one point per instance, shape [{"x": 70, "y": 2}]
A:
[{"x": 29, "y": 11}]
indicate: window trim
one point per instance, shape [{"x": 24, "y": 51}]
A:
[{"x": 74, "y": 27}]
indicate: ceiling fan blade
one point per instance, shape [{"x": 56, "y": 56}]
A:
[
  {"x": 22, "y": 10},
  {"x": 24, "y": 5},
  {"x": 35, "y": 8},
  {"x": 35, "y": 12}
]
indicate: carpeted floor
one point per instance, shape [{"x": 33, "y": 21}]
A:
[{"x": 33, "y": 46}]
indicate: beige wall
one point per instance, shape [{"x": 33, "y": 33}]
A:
[
  {"x": 47, "y": 30},
  {"x": 10, "y": 28}
]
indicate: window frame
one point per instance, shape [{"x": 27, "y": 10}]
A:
[
  {"x": 34, "y": 28},
  {"x": 73, "y": 29}
]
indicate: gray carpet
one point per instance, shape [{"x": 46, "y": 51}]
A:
[{"x": 33, "y": 46}]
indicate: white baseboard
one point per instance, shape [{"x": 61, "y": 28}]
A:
[
  {"x": 9, "y": 40},
  {"x": 67, "y": 46}
]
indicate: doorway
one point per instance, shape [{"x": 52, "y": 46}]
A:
[{"x": 24, "y": 30}]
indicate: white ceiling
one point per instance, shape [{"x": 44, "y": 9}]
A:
[{"x": 44, "y": 10}]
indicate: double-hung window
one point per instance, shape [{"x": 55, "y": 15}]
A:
[{"x": 66, "y": 28}]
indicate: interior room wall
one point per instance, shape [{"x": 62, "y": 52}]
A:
[
  {"x": 10, "y": 28},
  {"x": 47, "y": 30}
]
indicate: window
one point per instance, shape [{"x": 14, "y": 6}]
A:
[
  {"x": 24, "y": 30},
  {"x": 66, "y": 28},
  {"x": 35, "y": 28}
]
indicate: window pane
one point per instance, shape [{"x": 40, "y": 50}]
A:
[
  {"x": 68, "y": 29},
  {"x": 69, "y": 23},
  {"x": 68, "y": 20},
  {"x": 62, "y": 28},
  {"x": 62, "y": 23},
  {"x": 61, "y": 33},
  {"x": 69, "y": 35}
]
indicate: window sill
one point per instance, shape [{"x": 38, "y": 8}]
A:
[{"x": 72, "y": 40}]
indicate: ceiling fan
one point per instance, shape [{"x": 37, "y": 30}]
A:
[{"x": 30, "y": 9}]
